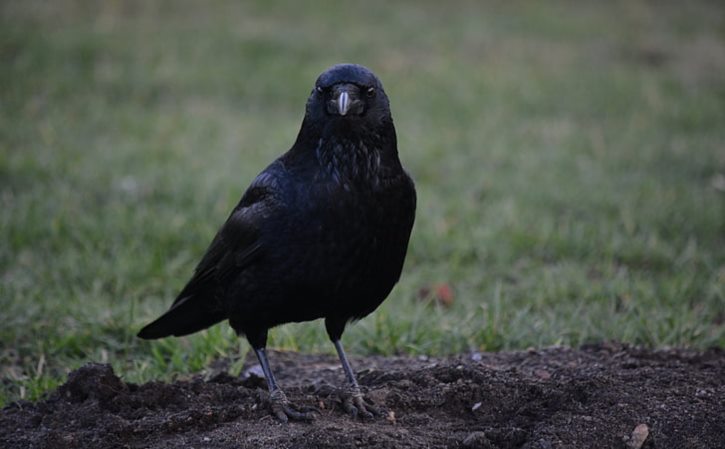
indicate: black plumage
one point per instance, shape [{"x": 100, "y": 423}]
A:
[{"x": 322, "y": 232}]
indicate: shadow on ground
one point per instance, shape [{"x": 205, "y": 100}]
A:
[{"x": 595, "y": 396}]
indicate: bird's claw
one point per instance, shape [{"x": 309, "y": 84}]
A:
[
  {"x": 355, "y": 404},
  {"x": 283, "y": 410}
]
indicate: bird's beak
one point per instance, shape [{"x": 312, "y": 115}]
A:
[{"x": 343, "y": 102}]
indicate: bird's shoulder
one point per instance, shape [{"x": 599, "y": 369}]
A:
[
  {"x": 259, "y": 204},
  {"x": 237, "y": 243}
]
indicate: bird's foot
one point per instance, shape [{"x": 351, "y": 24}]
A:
[
  {"x": 283, "y": 410},
  {"x": 356, "y": 404}
]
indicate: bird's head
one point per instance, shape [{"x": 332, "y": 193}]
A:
[
  {"x": 348, "y": 92},
  {"x": 347, "y": 125}
]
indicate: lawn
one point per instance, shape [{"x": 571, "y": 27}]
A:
[{"x": 569, "y": 159}]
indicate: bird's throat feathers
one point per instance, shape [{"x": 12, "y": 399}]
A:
[
  {"x": 348, "y": 151},
  {"x": 350, "y": 160}
]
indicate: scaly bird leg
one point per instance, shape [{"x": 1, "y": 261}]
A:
[
  {"x": 280, "y": 406},
  {"x": 353, "y": 400}
]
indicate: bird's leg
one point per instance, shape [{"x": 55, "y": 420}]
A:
[
  {"x": 353, "y": 400},
  {"x": 281, "y": 407}
]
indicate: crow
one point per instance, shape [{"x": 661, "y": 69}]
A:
[{"x": 322, "y": 232}]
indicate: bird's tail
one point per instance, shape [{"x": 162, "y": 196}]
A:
[{"x": 188, "y": 315}]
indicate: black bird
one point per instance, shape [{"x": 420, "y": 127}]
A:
[{"x": 321, "y": 233}]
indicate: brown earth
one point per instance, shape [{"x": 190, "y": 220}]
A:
[{"x": 593, "y": 397}]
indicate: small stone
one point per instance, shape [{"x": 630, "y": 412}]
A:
[
  {"x": 476, "y": 406},
  {"x": 254, "y": 370},
  {"x": 702, "y": 393},
  {"x": 639, "y": 435},
  {"x": 391, "y": 417}
]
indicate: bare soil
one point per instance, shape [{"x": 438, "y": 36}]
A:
[{"x": 603, "y": 396}]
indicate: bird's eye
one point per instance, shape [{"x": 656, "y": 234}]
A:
[
  {"x": 370, "y": 92},
  {"x": 319, "y": 89}
]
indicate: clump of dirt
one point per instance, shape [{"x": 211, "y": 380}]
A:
[{"x": 603, "y": 396}]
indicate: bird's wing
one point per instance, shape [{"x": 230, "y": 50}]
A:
[
  {"x": 237, "y": 243},
  {"x": 235, "y": 247}
]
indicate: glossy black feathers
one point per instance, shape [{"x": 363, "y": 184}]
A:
[{"x": 320, "y": 233}]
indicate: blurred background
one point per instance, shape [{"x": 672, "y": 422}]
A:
[{"x": 569, "y": 160}]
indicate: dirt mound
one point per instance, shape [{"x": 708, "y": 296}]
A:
[{"x": 604, "y": 396}]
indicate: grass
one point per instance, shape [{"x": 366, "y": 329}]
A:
[{"x": 569, "y": 159}]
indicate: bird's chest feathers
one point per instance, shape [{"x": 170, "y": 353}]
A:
[
  {"x": 344, "y": 206},
  {"x": 353, "y": 164}
]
